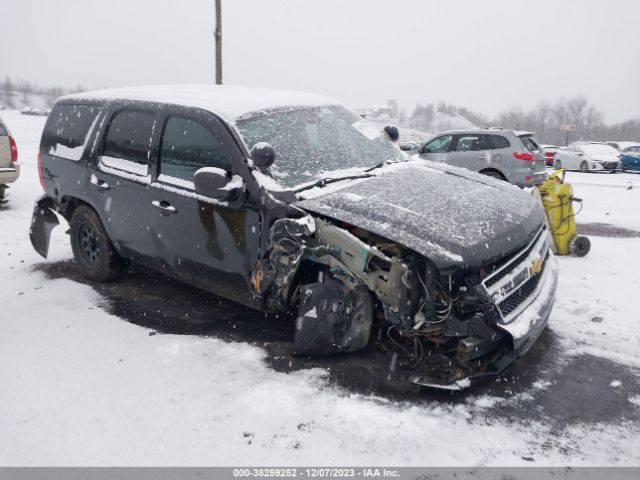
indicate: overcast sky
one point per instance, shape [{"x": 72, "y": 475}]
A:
[{"x": 487, "y": 55}]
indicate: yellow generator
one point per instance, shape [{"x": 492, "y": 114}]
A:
[{"x": 557, "y": 199}]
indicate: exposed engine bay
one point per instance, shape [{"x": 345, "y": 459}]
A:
[{"x": 354, "y": 289}]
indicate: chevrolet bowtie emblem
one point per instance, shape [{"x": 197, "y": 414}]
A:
[{"x": 536, "y": 266}]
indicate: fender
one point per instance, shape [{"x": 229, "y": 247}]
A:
[{"x": 43, "y": 222}]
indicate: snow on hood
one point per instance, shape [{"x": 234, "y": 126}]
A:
[
  {"x": 229, "y": 102},
  {"x": 452, "y": 216}
]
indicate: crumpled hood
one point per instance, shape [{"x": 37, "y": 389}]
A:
[{"x": 450, "y": 215}]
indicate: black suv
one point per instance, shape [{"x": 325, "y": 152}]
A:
[{"x": 286, "y": 201}]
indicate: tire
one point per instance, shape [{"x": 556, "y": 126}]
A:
[
  {"x": 91, "y": 246},
  {"x": 584, "y": 166},
  {"x": 2, "y": 190},
  {"x": 493, "y": 174},
  {"x": 579, "y": 246},
  {"x": 557, "y": 165}
]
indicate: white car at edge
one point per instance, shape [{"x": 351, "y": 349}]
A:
[{"x": 588, "y": 157}]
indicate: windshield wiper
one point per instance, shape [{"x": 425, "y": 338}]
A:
[
  {"x": 386, "y": 162},
  {"x": 321, "y": 182}
]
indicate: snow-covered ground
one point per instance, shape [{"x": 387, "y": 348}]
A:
[
  {"x": 79, "y": 386},
  {"x": 609, "y": 198}
]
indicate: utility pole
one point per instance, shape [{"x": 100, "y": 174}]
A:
[{"x": 218, "y": 36}]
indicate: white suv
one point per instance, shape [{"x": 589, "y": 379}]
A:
[{"x": 9, "y": 168}]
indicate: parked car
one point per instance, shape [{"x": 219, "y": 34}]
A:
[
  {"x": 287, "y": 201},
  {"x": 588, "y": 157},
  {"x": 504, "y": 154},
  {"x": 620, "y": 146},
  {"x": 9, "y": 167},
  {"x": 549, "y": 154},
  {"x": 43, "y": 112},
  {"x": 630, "y": 158}
]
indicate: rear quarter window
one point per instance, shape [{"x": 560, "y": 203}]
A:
[
  {"x": 530, "y": 143},
  {"x": 67, "y": 130},
  {"x": 496, "y": 142}
]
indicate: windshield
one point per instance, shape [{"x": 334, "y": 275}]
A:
[
  {"x": 598, "y": 149},
  {"x": 317, "y": 142}
]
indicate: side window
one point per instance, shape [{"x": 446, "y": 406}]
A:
[
  {"x": 127, "y": 145},
  {"x": 3, "y": 132},
  {"x": 467, "y": 143},
  {"x": 530, "y": 143},
  {"x": 496, "y": 142},
  {"x": 439, "y": 145},
  {"x": 188, "y": 146},
  {"x": 67, "y": 130}
]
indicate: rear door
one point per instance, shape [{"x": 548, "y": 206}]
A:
[
  {"x": 569, "y": 158},
  {"x": 119, "y": 186},
  {"x": 437, "y": 149},
  {"x": 205, "y": 242},
  {"x": 468, "y": 151}
]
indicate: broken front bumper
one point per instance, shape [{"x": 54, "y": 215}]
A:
[
  {"x": 523, "y": 328},
  {"x": 527, "y": 326}
]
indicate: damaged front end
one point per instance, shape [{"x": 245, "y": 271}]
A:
[{"x": 354, "y": 289}]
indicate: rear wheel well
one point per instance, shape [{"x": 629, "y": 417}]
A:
[
  {"x": 492, "y": 172},
  {"x": 68, "y": 205}
]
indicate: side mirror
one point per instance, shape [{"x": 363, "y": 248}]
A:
[
  {"x": 215, "y": 183},
  {"x": 408, "y": 146},
  {"x": 393, "y": 132},
  {"x": 263, "y": 155}
]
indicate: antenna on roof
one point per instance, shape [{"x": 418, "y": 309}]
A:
[{"x": 217, "y": 34}]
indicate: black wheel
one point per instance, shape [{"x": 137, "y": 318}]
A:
[
  {"x": 557, "y": 165},
  {"x": 584, "y": 166},
  {"x": 579, "y": 246},
  {"x": 493, "y": 174},
  {"x": 91, "y": 246}
]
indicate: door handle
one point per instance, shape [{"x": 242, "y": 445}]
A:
[
  {"x": 165, "y": 207},
  {"x": 482, "y": 157},
  {"x": 99, "y": 184}
]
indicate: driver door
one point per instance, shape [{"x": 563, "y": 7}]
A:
[
  {"x": 208, "y": 243},
  {"x": 437, "y": 149}
]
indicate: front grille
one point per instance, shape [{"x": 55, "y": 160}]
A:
[
  {"x": 519, "y": 296},
  {"x": 517, "y": 279},
  {"x": 517, "y": 258}
]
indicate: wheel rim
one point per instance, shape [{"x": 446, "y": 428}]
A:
[{"x": 88, "y": 244}]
